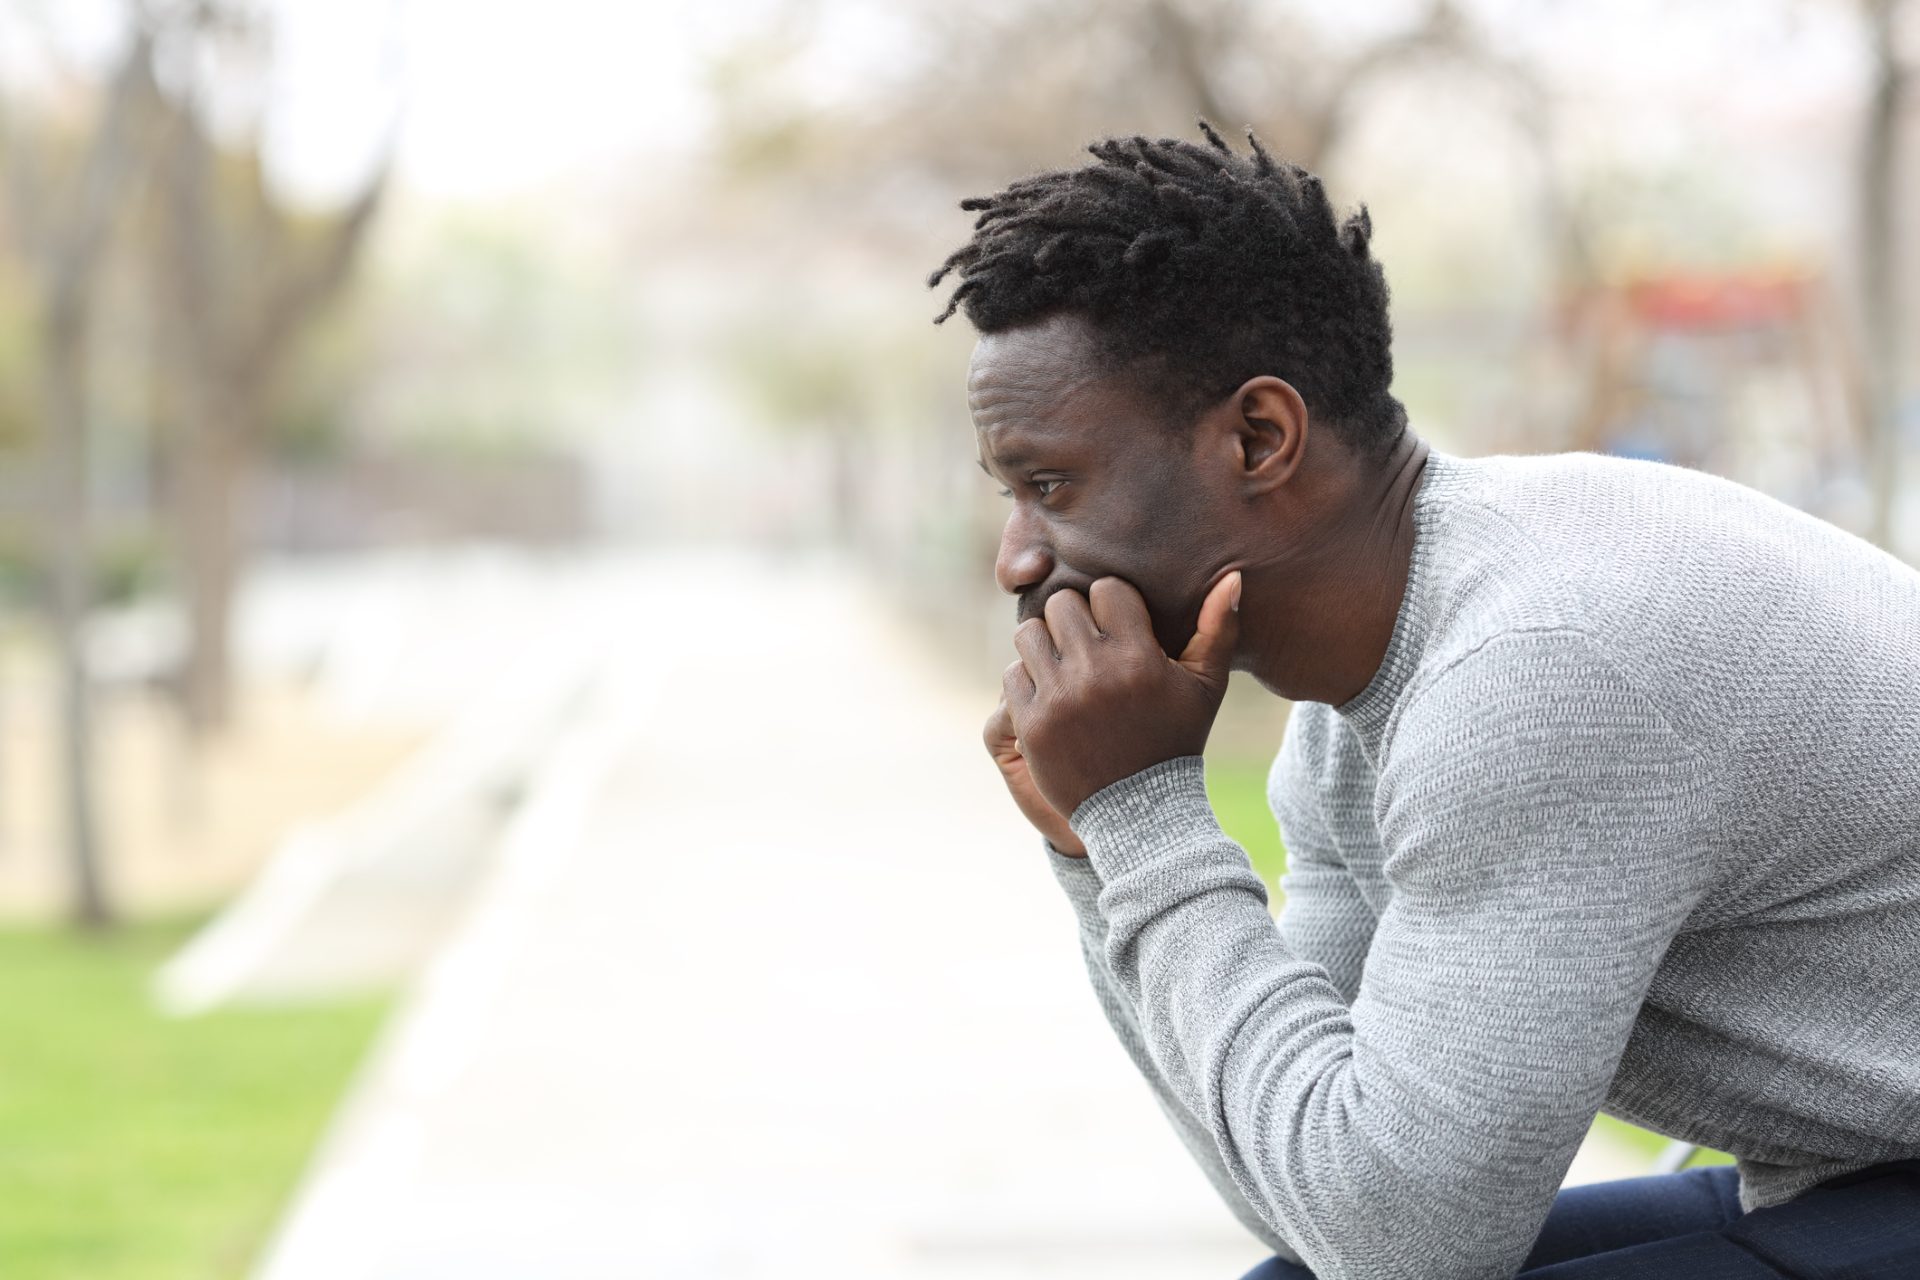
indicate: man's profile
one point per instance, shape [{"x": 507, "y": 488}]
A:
[{"x": 1601, "y": 789}]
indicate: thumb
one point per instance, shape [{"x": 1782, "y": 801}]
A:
[{"x": 1209, "y": 654}]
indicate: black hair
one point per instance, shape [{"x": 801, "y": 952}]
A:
[{"x": 1197, "y": 269}]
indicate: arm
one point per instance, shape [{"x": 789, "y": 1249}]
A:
[
  {"x": 1323, "y": 919},
  {"x": 1082, "y": 888},
  {"x": 1545, "y": 829}
]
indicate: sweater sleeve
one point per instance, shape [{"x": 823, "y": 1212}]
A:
[
  {"x": 1545, "y": 831},
  {"x": 1323, "y": 917},
  {"x": 1082, "y": 886}
]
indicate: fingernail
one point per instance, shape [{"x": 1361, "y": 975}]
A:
[{"x": 1234, "y": 600}]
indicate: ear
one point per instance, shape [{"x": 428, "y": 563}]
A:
[{"x": 1270, "y": 429}]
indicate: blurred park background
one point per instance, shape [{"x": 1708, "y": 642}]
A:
[{"x": 496, "y": 600}]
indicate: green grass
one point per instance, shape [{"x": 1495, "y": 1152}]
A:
[
  {"x": 135, "y": 1147},
  {"x": 1237, "y": 786},
  {"x": 1640, "y": 1142}
]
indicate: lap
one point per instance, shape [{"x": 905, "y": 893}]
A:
[
  {"x": 1865, "y": 1226},
  {"x": 1604, "y": 1217}
]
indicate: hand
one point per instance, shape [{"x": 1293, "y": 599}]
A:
[
  {"x": 1094, "y": 699},
  {"x": 1005, "y": 750}
]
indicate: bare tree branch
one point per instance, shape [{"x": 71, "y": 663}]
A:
[
  {"x": 69, "y": 252},
  {"x": 310, "y": 278}
]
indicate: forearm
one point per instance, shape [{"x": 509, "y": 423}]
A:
[
  {"x": 1423, "y": 1128},
  {"x": 1082, "y": 887}
]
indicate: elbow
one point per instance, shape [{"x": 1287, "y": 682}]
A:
[{"x": 1365, "y": 1205}]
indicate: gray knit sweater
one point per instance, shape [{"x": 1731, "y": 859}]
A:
[{"x": 1629, "y": 818}]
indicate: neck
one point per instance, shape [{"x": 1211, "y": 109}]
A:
[{"x": 1319, "y": 615}]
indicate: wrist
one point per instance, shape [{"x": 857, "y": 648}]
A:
[{"x": 1146, "y": 814}]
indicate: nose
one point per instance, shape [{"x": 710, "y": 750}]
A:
[{"x": 1024, "y": 561}]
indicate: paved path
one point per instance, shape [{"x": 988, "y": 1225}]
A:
[{"x": 770, "y": 981}]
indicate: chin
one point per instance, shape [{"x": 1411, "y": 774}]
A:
[
  {"x": 1273, "y": 689},
  {"x": 1173, "y": 636}
]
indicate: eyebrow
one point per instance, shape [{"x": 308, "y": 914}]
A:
[{"x": 1009, "y": 461}]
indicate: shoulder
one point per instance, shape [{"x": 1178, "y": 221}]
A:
[
  {"x": 1551, "y": 674},
  {"x": 1534, "y": 760},
  {"x": 1528, "y": 563},
  {"x": 1534, "y": 717}
]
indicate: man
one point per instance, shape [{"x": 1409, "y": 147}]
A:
[{"x": 1601, "y": 789}]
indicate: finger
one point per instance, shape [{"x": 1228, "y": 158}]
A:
[
  {"x": 1209, "y": 654},
  {"x": 1034, "y": 644},
  {"x": 1071, "y": 624},
  {"x": 1016, "y": 686},
  {"x": 999, "y": 734},
  {"x": 1120, "y": 611}
]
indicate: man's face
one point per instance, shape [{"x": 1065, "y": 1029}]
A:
[{"x": 1098, "y": 483}]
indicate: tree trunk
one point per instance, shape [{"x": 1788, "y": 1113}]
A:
[
  {"x": 1879, "y": 268},
  {"x": 212, "y": 474},
  {"x": 69, "y": 577}
]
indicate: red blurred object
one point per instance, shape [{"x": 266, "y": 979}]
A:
[{"x": 1723, "y": 301}]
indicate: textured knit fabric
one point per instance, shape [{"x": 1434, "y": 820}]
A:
[{"x": 1629, "y": 817}]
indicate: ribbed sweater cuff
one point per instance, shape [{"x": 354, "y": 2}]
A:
[
  {"x": 1078, "y": 878},
  {"x": 1145, "y": 817}
]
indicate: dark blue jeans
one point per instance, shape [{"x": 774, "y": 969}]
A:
[{"x": 1688, "y": 1226}]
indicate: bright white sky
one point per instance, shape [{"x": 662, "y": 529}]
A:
[
  {"x": 507, "y": 96},
  {"x": 499, "y": 95}
]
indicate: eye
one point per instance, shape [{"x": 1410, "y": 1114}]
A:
[
  {"x": 1047, "y": 486},
  {"x": 1006, "y": 493}
]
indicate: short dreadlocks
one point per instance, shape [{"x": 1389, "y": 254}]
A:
[{"x": 1197, "y": 269}]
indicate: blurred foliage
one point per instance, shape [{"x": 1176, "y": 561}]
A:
[
  {"x": 966, "y": 98},
  {"x": 805, "y": 377},
  {"x": 127, "y": 564},
  {"x": 1647, "y": 217},
  {"x": 308, "y": 421},
  {"x": 19, "y": 362},
  {"x": 141, "y": 1147},
  {"x": 473, "y": 336}
]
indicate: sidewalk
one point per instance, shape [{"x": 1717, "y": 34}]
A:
[{"x": 771, "y": 980}]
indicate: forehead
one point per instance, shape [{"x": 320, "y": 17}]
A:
[{"x": 1045, "y": 385}]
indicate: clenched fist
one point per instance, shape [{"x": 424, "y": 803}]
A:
[{"x": 1004, "y": 747}]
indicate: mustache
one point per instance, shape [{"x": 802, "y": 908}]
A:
[{"x": 1033, "y": 603}]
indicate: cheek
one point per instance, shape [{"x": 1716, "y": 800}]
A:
[
  {"x": 1164, "y": 572},
  {"x": 1153, "y": 536},
  {"x": 1172, "y": 547},
  {"x": 1174, "y": 575}
]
